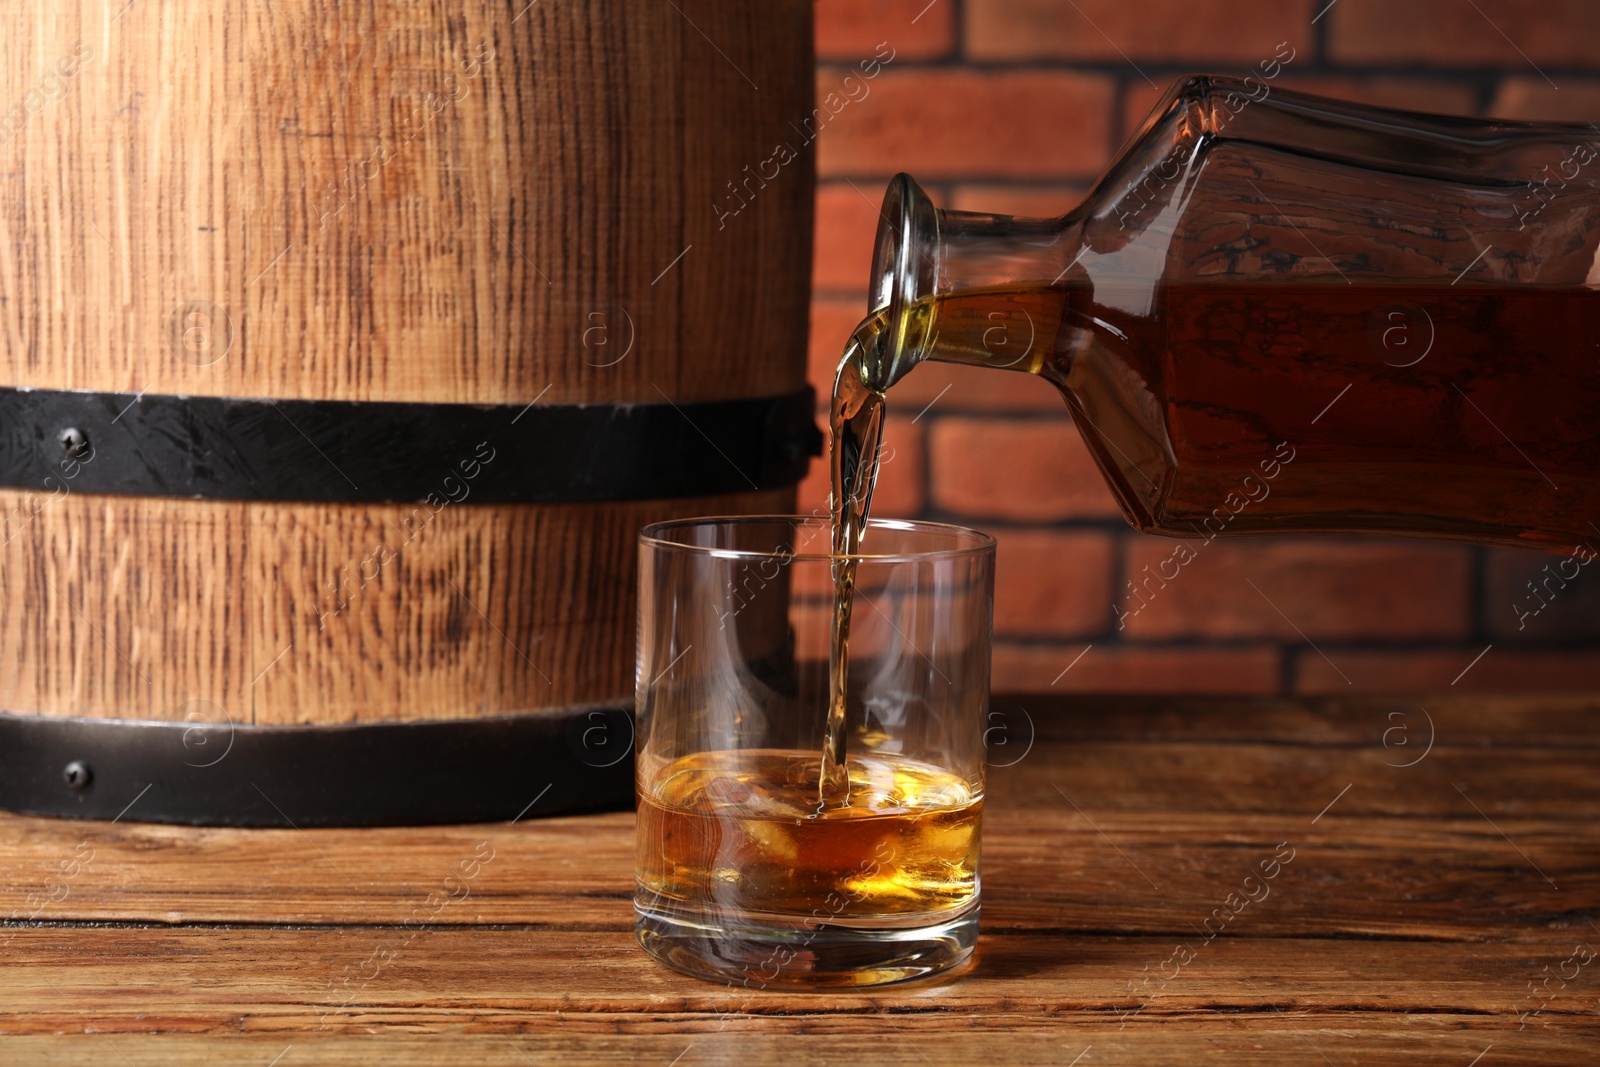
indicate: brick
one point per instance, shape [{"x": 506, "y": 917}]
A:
[
  {"x": 1149, "y": 31},
  {"x": 1533, "y": 99},
  {"x": 1563, "y": 604},
  {"x": 951, "y": 123},
  {"x": 1033, "y": 668},
  {"x": 915, "y": 29},
  {"x": 1032, "y": 201},
  {"x": 900, "y": 493},
  {"x": 1452, "y": 33},
  {"x": 847, "y": 224},
  {"x": 1440, "y": 96},
  {"x": 1027, "y": 471},
  {"x": 811, "y": 623},
  {"x": 812, "y": 497},
  {"x": 1435, "y": 671},
  {"x": 1328, "y": 589},
  {"x": 832, "y": 319},
  {"x": 1053, "y": 583}
]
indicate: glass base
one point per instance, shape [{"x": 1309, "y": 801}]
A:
[{"x": 775, "y": 955}]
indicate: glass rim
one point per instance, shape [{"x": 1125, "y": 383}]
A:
[{"x": 979, "y": 543}]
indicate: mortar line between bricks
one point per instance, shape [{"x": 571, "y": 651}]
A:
[
  {"x": 1008, "y": 181},
  {"x": 1319, "y": 31},
  {"x": 1119, "y": 571},
  {"x": 946, "y": 411},
  {"x": 1572, "y": 649},
  {"x": 1111, "y": 524},
  {"x": 1460, "y": 77},
  {"x": 1477, "y": 593},
  {"x": 1246, "y": 641},
  {"x": 1174, "y": 69}
]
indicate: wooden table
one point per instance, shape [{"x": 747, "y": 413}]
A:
[{"x": 1165, "y": 881}]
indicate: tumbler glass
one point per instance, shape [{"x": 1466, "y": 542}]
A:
[{"x": 746, "y": 873}]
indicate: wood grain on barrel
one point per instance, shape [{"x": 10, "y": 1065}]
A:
[
  {"x": 137, "y": 607},
  {"x": 455, "y": 201},
  {"x": 426, "y": 200},
  {"x": 1436, "y": 907}
]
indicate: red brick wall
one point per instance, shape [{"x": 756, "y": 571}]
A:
[{"x": 1015, "y": 106}]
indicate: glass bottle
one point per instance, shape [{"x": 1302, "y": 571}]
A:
[{"x": 1277, "y": 312}]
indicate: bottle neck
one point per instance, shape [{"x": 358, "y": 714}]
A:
[{"x": 963, "y": 287}]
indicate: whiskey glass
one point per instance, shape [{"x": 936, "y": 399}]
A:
[{"x": 744, "y": 872}]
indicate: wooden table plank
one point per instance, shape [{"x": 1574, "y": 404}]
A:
[
  {"x": 207, "y": 979},
  {"x": 1251, "y": 1041},
  {"x": 1420, "y": 910},
  {"x": 1106, "y": 871}
]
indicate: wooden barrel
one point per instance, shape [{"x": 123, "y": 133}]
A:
[{"x": 345, "y": 348}]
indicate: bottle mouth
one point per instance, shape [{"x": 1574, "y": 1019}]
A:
[{"x": 905, "y": 269}]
